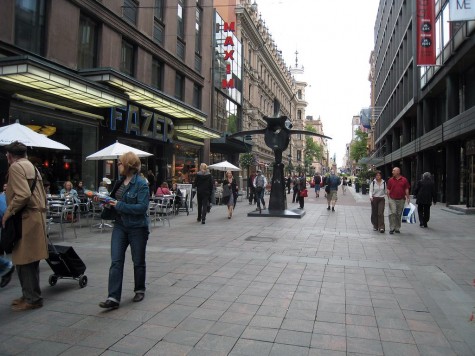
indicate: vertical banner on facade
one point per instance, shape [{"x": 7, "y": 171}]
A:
[
  {"x": 425, "y": 32},
  {"x": 462, "y": 10}
]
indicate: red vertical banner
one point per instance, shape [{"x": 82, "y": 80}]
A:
[{"x": 425, "y": 32}]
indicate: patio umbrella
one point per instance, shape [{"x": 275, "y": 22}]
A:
[
  {"x": 18, "y": 132},
  {"x": 114, "y": 151},
  {"x": 224, "y": 166}
]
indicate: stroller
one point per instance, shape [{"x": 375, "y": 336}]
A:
[{"x": 65, "y": 263}]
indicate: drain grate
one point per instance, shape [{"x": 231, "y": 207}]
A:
[{"x": 260, "y": 239}]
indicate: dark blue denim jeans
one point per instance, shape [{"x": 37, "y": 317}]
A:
[{"x": 122, "y": 237}]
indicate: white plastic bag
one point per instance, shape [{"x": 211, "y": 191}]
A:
[{"x": 409, "y": 213}]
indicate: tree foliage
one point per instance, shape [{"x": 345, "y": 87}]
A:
[
  {"x": 313, "y": 151},
  {"x": 247, "y": 159},
  {"x": 358, "y": 147}
]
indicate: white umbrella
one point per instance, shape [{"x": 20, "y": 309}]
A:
[
  {"x": 224, "y": 166},
  {"x": 23, "y": 134},
  {"x": 114, "y": 151}
]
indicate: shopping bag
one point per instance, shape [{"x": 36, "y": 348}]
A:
[{"x": 408, "y": 214}]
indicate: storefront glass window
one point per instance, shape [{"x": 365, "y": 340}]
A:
[
  {"x": 59, "y": 166},
  {"x": 185, "y": 163}
]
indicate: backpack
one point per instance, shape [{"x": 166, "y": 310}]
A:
[
  {"x": 317, "y": 180},
  {"x": 260, "y": 182}
]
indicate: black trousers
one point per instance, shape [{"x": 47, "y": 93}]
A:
[
  {"x": 424, "y": 213},
  {"x": 301, "y": 201},
  {"x": 203, "y": 201},
  {"x": 295, "y": 196},
  {"x": 252, "y": 195}
]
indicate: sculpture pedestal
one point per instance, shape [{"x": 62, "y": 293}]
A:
[
  {"x": 292, "y": 214},
  {"x": 278, "y": 198}
]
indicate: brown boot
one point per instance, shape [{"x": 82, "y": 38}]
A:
[
  {"x": 18, "y": 301},
  {"x": 26, "y": 306}
]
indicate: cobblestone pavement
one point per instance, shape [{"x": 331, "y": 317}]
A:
[{"x": 325, "y": 284}]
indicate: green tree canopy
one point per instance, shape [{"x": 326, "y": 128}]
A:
[
  {"x": 313, "y": 151},
  {"x": 358, "y": 148}
]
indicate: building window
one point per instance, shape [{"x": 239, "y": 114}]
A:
[
  {"x": 299, "y": 94},
  {"x": 157, "y": 74},
  {"x": 179, "y": 86},
  {"x": 197, "y": 96},
  {"x": 30, "y": 25},
  {"x": 158, "y": 26},
  {"x": 181, "y": 20},
  {"x": 129, "y": 11},
  {"x": 299, "y": 155},
  {"x": 127, "y": 58},
  {"x": 159, "y": 6},
  {"x": 198, "y": 24},
  {"x": 87, "y": 50},
  {"x": 299, "y": 114}
]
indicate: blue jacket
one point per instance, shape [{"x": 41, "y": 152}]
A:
[
  {"x": 134, "y": 204},
  {"x": 333, "y": 182}
]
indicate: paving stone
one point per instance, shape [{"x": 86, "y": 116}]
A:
[
  {"x": 285, "y": 350},
  {"x": 321, "y": 352},
  {"x": 183, "y": 337},
  {"x": 362, "y": 332},
  {"x": 290, "y": 337},
  {"x": 297, "y": 325},
  {"x": 227, "y": 329},
  {"x": 133, "y": 345},
  {"x": 363, "y": 320},
  {"x": 259, "y": 333},
  {"x": 251, "y": 347},
  {"x": 396, "y": 335},
  {"x": 82, "y": 350},
  {"x": 164, "y": 348},
  {"x": 329, "y": 328},
  {"x": 430, "y": 338},
  {"x": 328, "y": 342},
  {"x": 331, "y": 317},
  {"x": 364, "y": 346}
]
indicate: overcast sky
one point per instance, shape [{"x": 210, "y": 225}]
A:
[{"x": 334, "y": 39}]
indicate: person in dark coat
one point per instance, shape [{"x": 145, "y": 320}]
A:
[
  {"x": 204, "y": 188},
  {"x": 425, "y": 195}
]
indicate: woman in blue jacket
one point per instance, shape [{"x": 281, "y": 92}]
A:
[{"x": 131, "y": 200}]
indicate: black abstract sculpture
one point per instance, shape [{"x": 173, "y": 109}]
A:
[{"x": 277, "y": 137}]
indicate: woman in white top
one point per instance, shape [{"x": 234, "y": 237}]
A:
[{"x": 377, "y": 194}]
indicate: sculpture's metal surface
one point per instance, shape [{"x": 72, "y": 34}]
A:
[{"x": 277, "y": 137}]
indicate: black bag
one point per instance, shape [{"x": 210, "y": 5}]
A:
[
  {"x": 327, "y": 188},
  {"x": 11, "y": 233},
  {"x": 109, "y": 213}
]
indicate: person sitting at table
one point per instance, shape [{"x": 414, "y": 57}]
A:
[
  {"x": 178, "y": 196},
  {"x": 68, "y": 192},
  {"x": 163, "y": 190},
  {"x": 80, "y": 190}
]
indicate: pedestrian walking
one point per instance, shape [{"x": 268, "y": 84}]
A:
[
  {"x": 398, "y": 194},
  {"x": 288, "y": 182},
  {"x": 333, "y": 181},
  {"x": 230, "y": 191},
  {"x": 252, "y": 189},
  {"x": 204, "y": 189},
  {"x": 295, "y": 188},
  {"x": 25, "y": 195},
  {"x": 130, "y": 202},
  {"x": 302, "y": 191},
  {"x": 377, "y": 196},
  {"x": 260, "y": 182},
  {"x": 425, "y": 195},
  {"x": 317, "y": 180}
]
